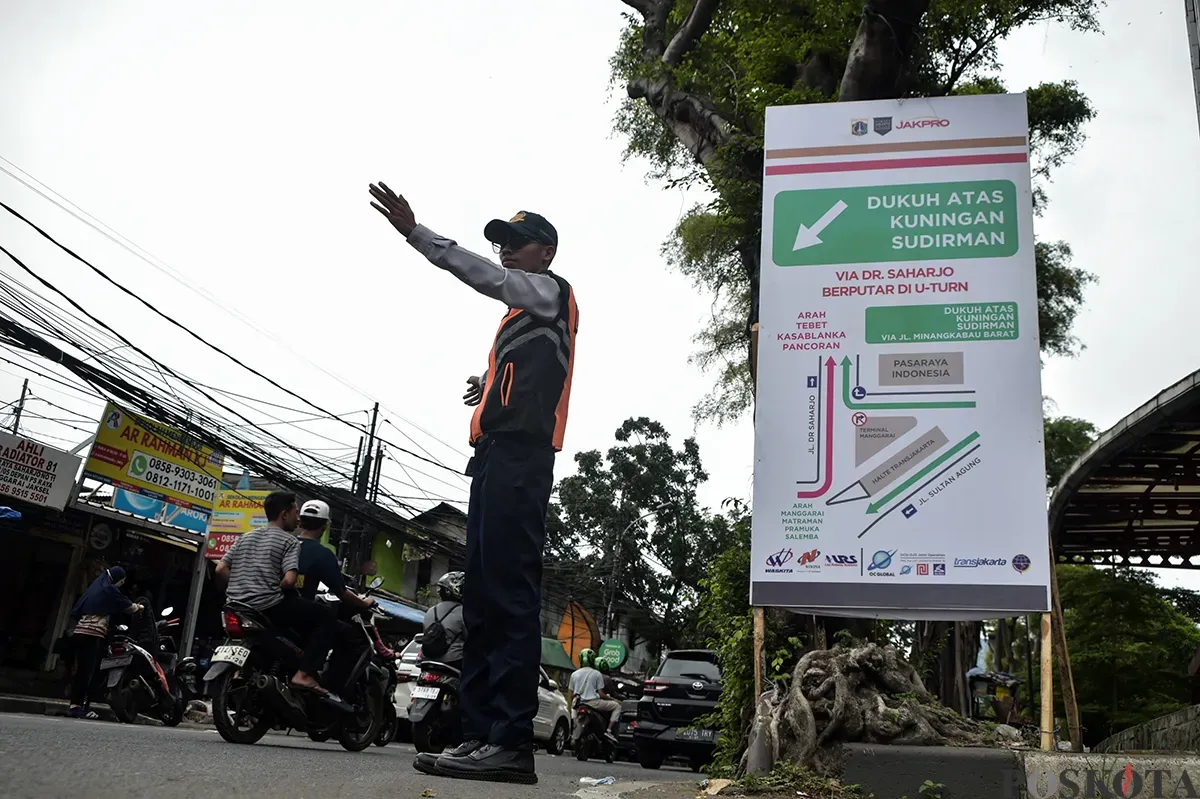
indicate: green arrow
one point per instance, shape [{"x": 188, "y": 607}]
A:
[
  {"x": 888, "y": 406},
  {"x": 874, "y": 507}
]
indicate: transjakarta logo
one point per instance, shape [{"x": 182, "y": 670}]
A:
[
  {"x": 972, "y": 563},
  {"x": 923, "y": 122}
]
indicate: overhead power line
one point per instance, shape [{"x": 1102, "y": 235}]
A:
[{"x": 69, "y": 207}]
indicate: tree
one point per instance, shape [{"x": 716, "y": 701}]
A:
[
  {"x": 1130, "y": 646},
  {"x": 628, "y": 532},
  {"x": 699, "y": 74},
  {"x": 1066, "y": 439}
]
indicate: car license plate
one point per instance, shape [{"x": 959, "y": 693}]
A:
[
  {"x": 231, "y": 654},
  {"x": 694, "y": 735},
  {"x": 425, "y": 692},
  {"x": 115, "y": 663}
]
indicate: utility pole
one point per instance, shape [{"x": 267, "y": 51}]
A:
[
  {"x": 361, "y": 488},
  {"x": 20, "y": 407},
  {"x": 616, "y": 574},
  {"x": 375, "y": 478}
]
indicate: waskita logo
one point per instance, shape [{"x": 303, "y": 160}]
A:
[
  {"x": 975, "y": 563},
  {"x": 776, "y": 561}
]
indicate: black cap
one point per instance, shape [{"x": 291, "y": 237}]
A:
[{"x": 525, "y": 223}]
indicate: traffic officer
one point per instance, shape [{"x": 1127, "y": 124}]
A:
[{"x": 520, "y": 417}]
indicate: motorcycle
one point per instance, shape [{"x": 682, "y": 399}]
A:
[
  {"x": 433, "y": 711},
  {"x": 250, "y": 682},
  {"x": 591, "y": 740},
  {"x": 139, "y": 670},
  {"x": 190, "y": 672}
]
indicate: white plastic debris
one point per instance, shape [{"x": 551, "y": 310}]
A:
[{"x": 597, "y": 780}]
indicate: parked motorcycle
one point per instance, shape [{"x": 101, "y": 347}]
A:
[
  {"x": 250, "y": 682},
  {"x": 139, "y": 670},
  {"x": 590, "y": 740},
  {"x": 433, "y": 711}
]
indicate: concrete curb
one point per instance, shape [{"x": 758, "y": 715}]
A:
[{"x": 38, "y": 706}]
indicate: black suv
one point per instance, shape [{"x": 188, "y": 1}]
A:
[{"x": 686, "y": 687}]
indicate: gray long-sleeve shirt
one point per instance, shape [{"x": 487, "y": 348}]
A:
[{"x": 536, "y": 293}]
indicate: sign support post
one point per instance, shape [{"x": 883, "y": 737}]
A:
[{"x": 1047, "y": 687}]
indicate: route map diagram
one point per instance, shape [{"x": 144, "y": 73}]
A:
[{"x": 898, "y": 457}]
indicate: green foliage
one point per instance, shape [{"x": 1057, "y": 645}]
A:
[
  {"x": 1130, "y": 646},
  {"x": 630, "y": 519},
  {"x": 788, "y": 779},
  {"x": 1066, "y": 439},
  {"x": 760, "y": 53}
]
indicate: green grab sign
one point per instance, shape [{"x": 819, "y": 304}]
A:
[
  {"x": 973, "y": 321},
  {"x": 914, "y": 222},
  {"x": 614, "y": 652}
]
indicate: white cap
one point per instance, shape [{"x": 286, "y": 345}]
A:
[{"x": 315, "y": 509}]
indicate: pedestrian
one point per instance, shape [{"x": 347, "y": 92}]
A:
[
  {"x": 102, "y": 599},
  {"x": 520, "y": 416}
]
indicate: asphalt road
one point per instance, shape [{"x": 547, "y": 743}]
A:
[{"x": 42, "y": 756}]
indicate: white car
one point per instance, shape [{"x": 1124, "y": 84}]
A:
[
  {"x": 406, "y": 674},
  {"x": 551, "y": 725}
]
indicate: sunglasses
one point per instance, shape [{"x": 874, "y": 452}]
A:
[{"x": 514, "y": 244}]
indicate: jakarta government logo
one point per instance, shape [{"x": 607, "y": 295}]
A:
[{"x": 881, "y": 560}]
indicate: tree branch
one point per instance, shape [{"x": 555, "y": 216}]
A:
[
  {"x": 694, "y": 120},
  {"x": 643, "y": 7},
  {"x": 690, "y": 32}
]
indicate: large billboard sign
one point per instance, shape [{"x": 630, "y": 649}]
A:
[
  {"x": 899, "y": 468},
  {"x": 144, "y": 457}
]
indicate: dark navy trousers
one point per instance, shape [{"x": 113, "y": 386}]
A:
[{"x": 511, "y": 482}]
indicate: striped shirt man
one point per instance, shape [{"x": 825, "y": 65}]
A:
[{"x": 257, "y": 562}]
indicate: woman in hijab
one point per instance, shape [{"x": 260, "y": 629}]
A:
[{"x": 102, "y": 599}]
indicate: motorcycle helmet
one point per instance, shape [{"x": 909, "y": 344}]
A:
[
  {"x": 587, "y": 658},
  {"x": 450, "y": 586},
  {"x": 603, "y": 665}
]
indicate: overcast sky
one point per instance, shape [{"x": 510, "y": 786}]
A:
[{"x": 236, "y": 144}]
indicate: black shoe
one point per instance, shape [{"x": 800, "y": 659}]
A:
[
  {"x": 426, "y": 762},
  {"x": 491, "y": 763}
]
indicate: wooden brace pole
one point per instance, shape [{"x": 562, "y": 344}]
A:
[
  {"x": 1047, "y": 723},
  {"x": 1063, "y": 655}
]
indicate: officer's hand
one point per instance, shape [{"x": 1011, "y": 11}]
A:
[
  {"x": 394, "y": 207},
  {"x": 474, "y": 394}
]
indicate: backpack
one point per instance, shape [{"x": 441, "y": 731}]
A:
[{"x": 435, "y": 643}]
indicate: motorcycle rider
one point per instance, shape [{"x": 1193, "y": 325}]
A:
[
  {"x": 587, "y": 686},
  {"x": 610, "y": 685},
  {"x": 319, "y": 565},
  {"x": 444, "y": 630},
  {"x": 261, "y": 569}
]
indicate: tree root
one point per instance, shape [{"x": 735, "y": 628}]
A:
[{"x": 865, "y": 693}]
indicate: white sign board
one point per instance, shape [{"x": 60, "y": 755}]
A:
[
  {"x": 35, "y": 473},
  {"x": 899, "y": 464}
]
